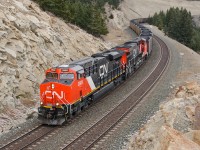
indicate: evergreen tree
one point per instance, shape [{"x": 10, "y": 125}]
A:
[
  {"x": 96, "y": 23},
  {"x": 177, "y": 23},
  {"x": 87, "y": 14},
  {"x": 186, "y": 27},
  {"x": 195, "y": 44}
]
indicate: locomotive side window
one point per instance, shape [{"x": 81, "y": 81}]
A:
[
  {"x": 50, "y": 75},
  {"x": 80, "y": 75}
]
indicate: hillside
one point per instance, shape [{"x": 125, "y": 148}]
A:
[
  {"x": 130, "y": 9},
  {"x": 175, "y": 125},
  {"x": 32, "y": 41}
]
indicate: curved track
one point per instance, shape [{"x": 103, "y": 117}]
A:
[
  {"x": 28, "y": 138},
  {"x": 90, "y": 137}
]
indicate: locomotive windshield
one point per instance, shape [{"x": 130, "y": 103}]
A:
[
  {"x": 51, "y": 75},
  {"x": 67, "y": 78}
]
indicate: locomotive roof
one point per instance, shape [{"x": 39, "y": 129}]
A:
[
  {"x": 145, "y": 30},
  {"x": 82, "y": 61},
  {"x": 67, "y": 66},
  {"x": 137, "y": 40},
  {"x": 109, "y": 54},
  {"x": 141, "y": 26},
  {"x": 63, "y": 66},
  {"x": 77, "y": 68},
  {"x": 131, "y": 44},
  {"x": 113, "y": 52},
  {"x": 146, "y": 34},
  {"x": 124, "y": 46},
  {"x": 128, "y": 44},
  {"x": 145, "y": 37}
]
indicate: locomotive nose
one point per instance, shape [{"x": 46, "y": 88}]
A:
[{"x": 52, "y": 94}]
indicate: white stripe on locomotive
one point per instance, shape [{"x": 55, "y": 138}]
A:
[{"x": 91, "y": 83}]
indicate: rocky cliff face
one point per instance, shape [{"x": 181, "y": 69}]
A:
[
  {"x": 30, "y": 42},
  {"x": 175, "y": 126}
]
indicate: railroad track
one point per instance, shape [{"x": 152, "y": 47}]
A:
[
  {"x": 28, "y": 138},
  {"x": 38, "y": 134},
  {"x": 35, "y": 136},
  {"x": 90, "y": 137}
]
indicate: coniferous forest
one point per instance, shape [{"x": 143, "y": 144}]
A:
[
  {"x": 177, "y": 24},
  {"x": 87, "y": 14}
]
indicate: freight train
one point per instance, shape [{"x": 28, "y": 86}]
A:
[{"x": 71, "y": 87}]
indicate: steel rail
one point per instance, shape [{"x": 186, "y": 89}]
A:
[{"x": 92, "y": 135}]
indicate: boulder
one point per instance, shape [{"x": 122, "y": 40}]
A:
[
  {"x": 170, "y": 139},
  {"x": 190, "y": 112},
  {"x": 11, "y": 52},
  {"x": 3, "y": 34},
  {"x": 11, "y": 17},
  {"x": 22, "y": 25},
  {"x": 197, "y": 117},
  {"x": 193, "y": 135},
  {"x": 21, "y": 6}
]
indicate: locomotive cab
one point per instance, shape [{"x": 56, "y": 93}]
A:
[{"x": 62, "y": 87}]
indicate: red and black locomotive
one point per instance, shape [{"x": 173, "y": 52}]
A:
[{"x": 69, "y": 88}]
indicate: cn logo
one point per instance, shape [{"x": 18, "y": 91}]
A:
[
  {"x": 51, "y": 94},
  {"x": 103, "y": 70}
]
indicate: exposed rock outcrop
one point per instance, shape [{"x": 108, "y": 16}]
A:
[
  {"x": 175, "y": 125},
  {"x": 32, "y": 41}
]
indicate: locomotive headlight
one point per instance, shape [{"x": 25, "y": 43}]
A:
[
  {"x": 52, "y": 86},
  {"x": 57, "y": 104},
  {"x": 41, "y": 103}
]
